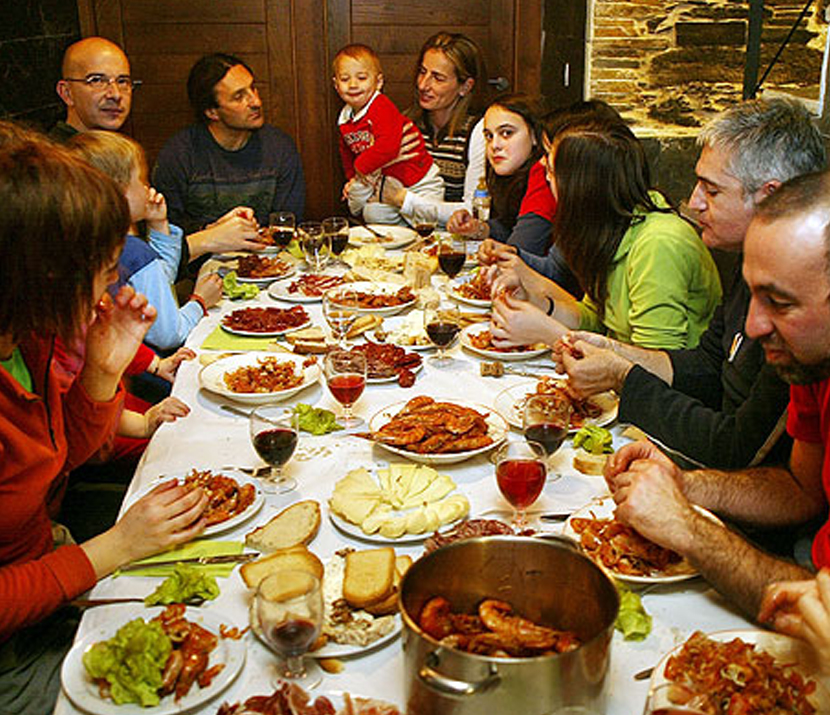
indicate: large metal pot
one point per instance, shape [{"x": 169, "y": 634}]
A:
[{"x": 547, "y": 581}]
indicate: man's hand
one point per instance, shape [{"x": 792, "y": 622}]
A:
[
  {"x": 237, "y": 230},
  {"x": 590, "y": 370},
  {"x": 463, "y": 223}
]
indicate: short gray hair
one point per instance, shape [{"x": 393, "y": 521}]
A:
[{"x": 766, "y": 140}]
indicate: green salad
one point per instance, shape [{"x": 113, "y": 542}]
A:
[{"x": 185, "y": 582}]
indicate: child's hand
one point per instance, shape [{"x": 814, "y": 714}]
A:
[
  {"x": 156, "y": 213},
  {"x": 168, "y": 410},
  {"x": 168, "y": 366},
  {"x": 209, "y": 288}
]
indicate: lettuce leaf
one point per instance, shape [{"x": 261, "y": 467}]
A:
[
  {"x": 593, "y": 439},
  {"x": 235, "y": 290},
  {"x": 316, "y": 420},
  {"x": 632, "y": 620},
  {"x": 185, "y": 582}
]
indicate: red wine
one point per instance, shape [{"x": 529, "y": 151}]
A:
[
  {"x": 347, "y": 388},
  {"x": 424, "y": 229},
  {"x": 451, "y": 262},
  {"x": 548, "y": 434},
  {"x": 282, "y": 237},
  {"x": 276, "y": 445},
  {"x": 293, "y": 637},
  {"x": 442, "y": 332},
  {"x": 521, "y": 481},
  {"x": 339, "y": 241}
]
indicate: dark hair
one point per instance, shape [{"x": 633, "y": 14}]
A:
[
  {"x": 580, "y": 112},
  {"x": 507, "y": 192},
  {"x": 603, "y": 183},
  {"x": 74, "y": 220},
  {"x": 467, "y": 60},
  {"x": 203, "y": 78}
]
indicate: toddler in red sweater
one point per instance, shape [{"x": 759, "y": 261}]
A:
[{"x": 371, "y": 128}]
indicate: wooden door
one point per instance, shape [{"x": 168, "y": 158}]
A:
[{"x": 289, "y": 44}]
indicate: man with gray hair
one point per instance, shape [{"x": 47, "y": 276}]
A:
[{"x": 716, "y": 405}]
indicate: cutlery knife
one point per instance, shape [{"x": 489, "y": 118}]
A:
[{"x": 200, "y": 560}]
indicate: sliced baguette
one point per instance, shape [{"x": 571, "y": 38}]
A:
[
  {"x": 363, "y": 324},
  {"x": 369, "y": 576},
  {"x": 296, "y": 558},
  {"x": 588, "y": 463},
  {"x": 293, "y": 526},
  {"x": 313, "y": 333},
  {"x": 390, "y": 603}
]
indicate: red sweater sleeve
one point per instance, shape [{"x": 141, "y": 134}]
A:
[
  {"x": 386, "y": 124},
  {"x": 88, "y": 424},
  {"x": 538, "y": 198},
  {"x": 143, "y": 357},
  {"x": 346, "y": 157}
]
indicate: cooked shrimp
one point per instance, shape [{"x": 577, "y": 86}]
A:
[{"x": 498, "y": 616}]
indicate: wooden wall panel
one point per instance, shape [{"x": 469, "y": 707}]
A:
[
  {"x": 279, "y": 73},
  {"x": 444, "y": 13},
  {"x": 188, "y": 11},
  {"x": 170, "y": 69},
  {"x": 195, "y": 38}
]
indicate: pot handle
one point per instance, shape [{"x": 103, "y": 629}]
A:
[{"x": 451, "y": 686}]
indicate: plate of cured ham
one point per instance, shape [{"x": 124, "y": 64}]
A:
[{"x": 265, "y": 322}]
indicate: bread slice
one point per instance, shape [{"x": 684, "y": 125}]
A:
[
  {"x": 296, "y": 558},
  {"x": 390, "y": 603},
  {"x": 287, "y": 585},
  {"x": 363, "y": 324},
  {"x": 587, "y": 463},
  {"x": 369, "y": 576},
  {"x": 312, "y": 333},
  {"x": 293, "y": 526}
]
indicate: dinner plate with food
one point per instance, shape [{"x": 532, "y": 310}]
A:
[
  {"x": 621, "y": 550},
  {"x": 307, "y": 288},
  {"x": 336, "y": 703},
  {"x": 746, "y": 670},
  {"x": 406, "y": 331},
  {"x": 265, "y": 322},
  {"x": 599, "y": 410},
  {"x": 437, "y": 431},
  {"x": 258, "y": 378},
  {"x": 262, "y": 270},
  {"x": 477, "y": 339},
  {"x": 389, "y": 363},
  {"x": 93, "y": 672},
  {"x": 401, "y": 504},
  {"x": 374, "y": 298},
  {"x": 474, "y": 291},
  {"x": 233, "y": 497},
  {"x": 390, "y": 236}
]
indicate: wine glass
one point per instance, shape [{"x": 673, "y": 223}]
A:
[
  {"x": 441, "y": 325},
  {"x": 281, "y": 226},
  {"x": 674, "y": 699},
  {"x": 452, "y": 254},
  {"x": 520, "y": 474},
  {"x": 336, "y": 229},
  {"x": 346, "y": 377},
  {"x": 546, "y": 420},
  {"x": 426, "y": 219},
  {"x": 274, "y": 433},
  {"x": 313, "y": 243},
  {"x": 289, "y": 607},
  {"x": 338, "y": 313}
]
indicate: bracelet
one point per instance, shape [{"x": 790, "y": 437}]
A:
[
  {"x": 154, "y": 370},
  {"x": 200, "y": 301},
  {"x": 551, "y": 306}
]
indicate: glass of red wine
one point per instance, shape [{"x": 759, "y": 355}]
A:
[
  {"x": 452, "y": 254},
  {"x": 281, "y": 226},
  {"x": 546, "y": 420},
  {"x": 336, "y": 230},
  {"x": 520, "y": 473},
  {"x": 441, "y": 326},
  {"x": 426, "y": 219},
  {"x": 274, "y": 433},
  {"x": 289, "y": 611},
  {"x": 345, "y": 373}
]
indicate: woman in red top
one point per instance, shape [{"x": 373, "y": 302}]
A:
[{"x": 61, "y": 232}]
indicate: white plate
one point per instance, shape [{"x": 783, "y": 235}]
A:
[
  {"x": 241, "y": 479},
  {"x": 378, "y": 289},
  {"x": 256, "y": 334},
  {"x": 356, "y": 532},
  {"x": 477, "y": 328},
  {"x": 332, "y": 650},
  {"x": 414, "y": 317},
  {"x": 399, "y": 236},
  {"x": 84, "y": 693},
  {"x": 510, "y": 401},
  {"x": 603, "y": 508},
  {"x": 784, "y": 650},
  {"x": 475, "y": 302},
  {"x": 211, "y": 377},
  {"x": 269, "y": 279},
  {"x": 392, "y": 378},
  {"x": 497, "y": 429},
  {"x": 279, "y": 291}
]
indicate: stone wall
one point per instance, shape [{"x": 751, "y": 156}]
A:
[{"x": 668, "y": 65}]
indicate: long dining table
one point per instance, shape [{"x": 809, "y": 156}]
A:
[{"x": 211, "y": 437}]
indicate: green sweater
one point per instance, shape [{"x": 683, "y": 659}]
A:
[{"x": 663, "y": 286}]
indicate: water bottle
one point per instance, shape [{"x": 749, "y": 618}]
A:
[{"x": 481, "y": 201}]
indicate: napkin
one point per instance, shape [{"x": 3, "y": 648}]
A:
[
  {"x": 223, "y": 340},
  {"x": 192, "y": 550}
]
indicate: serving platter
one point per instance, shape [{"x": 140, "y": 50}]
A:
[
  {"x": 394, "y": 236},
  {"x": 261, "y": 333},
  {"x": 504, "y": 355},
  {"x": 83, "y": 692},
  {"x": 211, "y": 377},
  {"x": 375, "y": 288}
]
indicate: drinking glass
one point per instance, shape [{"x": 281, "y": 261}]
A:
[
  {"x": 313, "y": 243},
  {"x": 520, "y": 474},
  {"x": 289, "y": 607},
  {"x": 441, "y": 325},
  {"x": 281, "y": 225},
  {"x": 674, "y": 699},
  {"x": 346, "y": 377},
  {"x": 274, "y": 433},
  {"x": 452, "y": 254},
  {"x": 336, "y": 230},
  {"x": 338, "y": 313},
  {"x": 546, "y": 420},
  {"x": 426, "y": 219}
]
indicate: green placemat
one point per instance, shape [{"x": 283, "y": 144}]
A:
[
  {"x": 223, "y": 340},
  {"x": 192, "y": 550}
]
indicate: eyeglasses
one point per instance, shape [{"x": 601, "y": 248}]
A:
[{"x": 100, "y": 82}]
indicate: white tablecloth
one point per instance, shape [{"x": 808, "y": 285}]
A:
[{"x": 210, "y": 437}]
